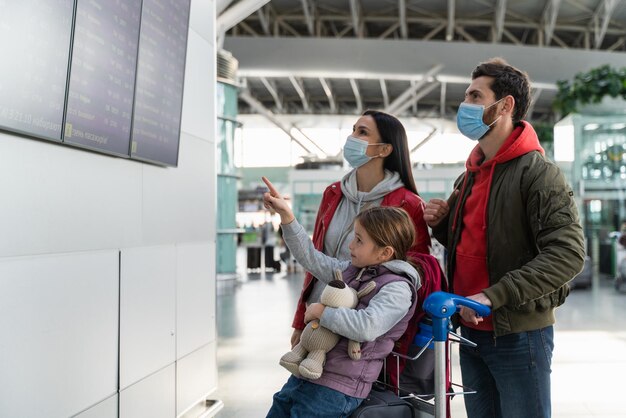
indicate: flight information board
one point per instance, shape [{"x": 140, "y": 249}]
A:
[
  {"x": 102, "y": 75},
  {"x": 160, "y": 77},
  {"x": 34, "y": 49}
]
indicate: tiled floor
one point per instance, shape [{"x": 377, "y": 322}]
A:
[{"x": 254, "y": 318}]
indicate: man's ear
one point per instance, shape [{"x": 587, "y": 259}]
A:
[
  {"x": 386, "y": 253},
  {"x": 509, "y": 104}
]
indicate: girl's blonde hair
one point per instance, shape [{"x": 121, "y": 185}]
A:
[{"x": 389, "y": 226}]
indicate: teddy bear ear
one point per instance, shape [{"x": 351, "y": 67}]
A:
[
  {"x": 366, "y": 289},
  {"x": 338, "y": 275}
]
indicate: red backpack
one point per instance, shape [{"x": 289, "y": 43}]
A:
[{"x": 433, "y": 279}]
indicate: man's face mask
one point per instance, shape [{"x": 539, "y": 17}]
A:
[
  {"x": 354, "y": 151},
  {"x": 469, "y": 120}
]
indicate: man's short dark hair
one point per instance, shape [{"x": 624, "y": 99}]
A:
[{"x": 507, "y": 80}]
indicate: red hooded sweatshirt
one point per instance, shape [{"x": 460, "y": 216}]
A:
[{"x": 471, "y": 275}]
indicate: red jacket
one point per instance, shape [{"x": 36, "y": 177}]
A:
[{"x": 401, "y": 197}]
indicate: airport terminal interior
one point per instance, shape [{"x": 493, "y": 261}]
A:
[
  {"x": 141, "y": 274},
  {"x": 301, "y": 90}
]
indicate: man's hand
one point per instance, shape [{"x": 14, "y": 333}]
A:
[
  {"x": 313, "y": 311},
  {"x": 437, "y": 209},
  {"x": 273, "y": 200},
  {"x": 468, "y": 314}
]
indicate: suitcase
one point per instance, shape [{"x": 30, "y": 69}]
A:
[
  {"x": 254, "y": 258},
  {"x": 270, "y": 264},
  {"x": 382, "y": 403}
]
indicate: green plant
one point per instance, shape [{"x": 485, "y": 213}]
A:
[{"x": 590, "y": 87}]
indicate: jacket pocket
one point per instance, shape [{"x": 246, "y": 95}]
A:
[{"x": 555, "y": 208}]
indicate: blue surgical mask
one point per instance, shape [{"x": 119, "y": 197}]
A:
[
  {"x": 469, "y": 120},
  {"x": 354, "y": 151}
]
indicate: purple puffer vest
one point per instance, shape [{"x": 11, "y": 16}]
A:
[{"x": 355, "y": 377}]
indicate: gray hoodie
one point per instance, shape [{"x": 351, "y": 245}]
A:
[
  {"x": 385, "y": 309},
  {"x": 340, "y": 231}
]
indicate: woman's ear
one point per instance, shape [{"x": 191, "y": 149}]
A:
[{"x": 386, "y": 151}]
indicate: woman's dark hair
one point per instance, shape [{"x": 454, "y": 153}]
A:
[
  {"x": 392, "y": 132},
  {"x": 507, "y": 80}
]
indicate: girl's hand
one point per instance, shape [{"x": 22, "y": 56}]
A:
[
  {"x": 313, "y": 311},
  {"x": 295, "y": 337},
  {"x": 273, "y": 200}
]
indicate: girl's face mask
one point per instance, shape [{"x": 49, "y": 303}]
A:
[
  {"x": 355, "y": 149},
  {"x": 469, "y": 120}
]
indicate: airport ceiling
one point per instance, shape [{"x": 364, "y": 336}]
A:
[{"x": 411, "y": 57}]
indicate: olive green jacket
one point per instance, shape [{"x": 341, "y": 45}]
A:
[{"x": 535, "y": 242}]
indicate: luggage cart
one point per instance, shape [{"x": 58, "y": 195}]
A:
[{"x": 440, "y": 306}]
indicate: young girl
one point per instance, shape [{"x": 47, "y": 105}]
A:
[{"x": 378, "y": 252}]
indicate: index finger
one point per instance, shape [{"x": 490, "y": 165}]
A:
[{"x": 270, "y": 186}]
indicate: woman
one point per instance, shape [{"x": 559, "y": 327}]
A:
[{"x": 379, "y": 153}]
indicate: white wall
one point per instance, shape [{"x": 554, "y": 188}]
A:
[{"x": 107, "y": 268}]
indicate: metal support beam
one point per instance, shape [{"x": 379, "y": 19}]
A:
[
  {"x": 413, "y": 99},
  {"x": 499, "y": 23},
  {"x": 416, "y": 98},
  {"x": 271, "y": 88},
  {"x": 433, "y": 32},
  {"x": 221, "y": 5},
  {"x": 263, "y": 14},
  {"x": 355, "y": 10},
  {"x": 389, "y": 31},
  {"x": 548, "y": 20},
  {"x": 300, "y": 90},
  {"x": 329, "y": 93},
  {"x": 404, "y": 28},
  {"x": 288, "y": 129},
  {"x": 357, "y": 96},
  {"x": 404, "y": 97},
  {"x": 512, "y": 37},
  {"x": 466, "y": 35},
  {"x": 533, "y": 102},
  {"x": 331, "y": 19},
  {"x": 423, "y": 142},
  {"x": 560, "y": 42},
  {"x": 383, "y": 90},
  {"x": 287, "y": 27},
  {"x": 248, "y": 29},
  {"x": 442, "y": 100},
  {"x": 308, "y": 15},
  {"x": 237, "y": 13},
  {"x": 601, "y": 19},
  {"x": 617, "y": 44},
  {"x": 451, "y": 25}
]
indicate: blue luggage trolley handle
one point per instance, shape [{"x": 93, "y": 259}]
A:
[{"x": 441, "y": 306}]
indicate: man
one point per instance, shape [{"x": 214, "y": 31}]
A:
[{"x": 514, "y": 240}]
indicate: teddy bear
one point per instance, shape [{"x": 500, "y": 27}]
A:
[{"x": 307, "y": 358}]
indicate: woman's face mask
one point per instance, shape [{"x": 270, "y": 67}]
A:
[
  {"x": 469, "y": 120},
  {"x": 354, "y": 151}
]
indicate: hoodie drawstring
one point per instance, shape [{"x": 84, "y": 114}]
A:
[
  {"x": 489, "y": 183},
  {"x": 460, "y": 196}
]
